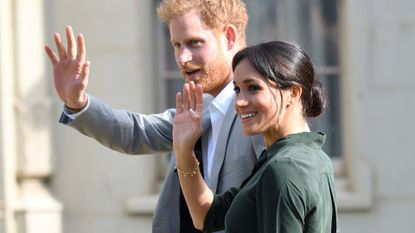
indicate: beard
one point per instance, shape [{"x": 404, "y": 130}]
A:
[{"x": 213, "y": 77}]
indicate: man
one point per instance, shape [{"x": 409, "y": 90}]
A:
[{"x": 205, "y": 36}]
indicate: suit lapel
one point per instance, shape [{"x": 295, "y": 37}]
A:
[{"x": 221, "y": 146}]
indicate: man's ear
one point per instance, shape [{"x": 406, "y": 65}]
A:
[{"x": 230, "y": 35}]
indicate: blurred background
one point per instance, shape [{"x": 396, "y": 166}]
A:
[{"x": 55, "y": 180}]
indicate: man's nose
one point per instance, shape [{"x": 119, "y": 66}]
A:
[{"x": 183, "y": 55}]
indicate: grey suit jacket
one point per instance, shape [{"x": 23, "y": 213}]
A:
[{"x": 135, "y": 133}]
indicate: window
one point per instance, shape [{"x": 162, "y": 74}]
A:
[
  {"x": 311, "y": 24},
  {"x": 315, "y": 26}
]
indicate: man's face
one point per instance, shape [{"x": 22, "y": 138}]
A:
[{"x": 200, "y": 53}]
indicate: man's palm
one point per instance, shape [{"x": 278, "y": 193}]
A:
[{"x": 70, "y": 71}]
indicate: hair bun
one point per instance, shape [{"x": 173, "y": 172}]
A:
[{"x": 318, "y": 100}]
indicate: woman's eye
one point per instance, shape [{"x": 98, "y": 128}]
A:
[
  {"x": 253, "y": 88},
  {"x": 237, "y": 90}
]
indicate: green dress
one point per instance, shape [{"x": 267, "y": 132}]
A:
[{"x": 290, "y": 190}]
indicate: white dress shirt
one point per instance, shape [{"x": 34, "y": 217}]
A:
[
  {"x": 217, "y": 109},
  {"x": 73, "y": 116}
]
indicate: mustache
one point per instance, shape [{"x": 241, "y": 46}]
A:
[{"x": 190, "y": 66}]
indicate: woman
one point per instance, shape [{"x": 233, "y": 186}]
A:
[{"x": 291, "y": 188}]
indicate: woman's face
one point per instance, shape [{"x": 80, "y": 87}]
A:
[{"x": 258, "y": 101}]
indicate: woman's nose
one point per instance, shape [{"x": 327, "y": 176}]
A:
[{"x": 241, "y": 101}]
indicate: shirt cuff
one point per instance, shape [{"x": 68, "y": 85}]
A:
[{"x": 73, "y": 116}]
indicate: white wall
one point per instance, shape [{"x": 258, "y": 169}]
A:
[
  {"x": 379, "y": 48},
  {"x": 7, "y": 135},
  {"x": 92, "y": 182}
]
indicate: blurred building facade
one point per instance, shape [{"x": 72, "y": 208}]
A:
[{"x": 53, "y": 179}]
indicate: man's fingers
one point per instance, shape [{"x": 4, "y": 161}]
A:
[
  {"x": 71, "y": 42},
  {"x": 52, "y": 56},
  {"x": 80, "y": 57},
  {"x": 59, "y": 46},
  {"x": 85, "y": 71}
]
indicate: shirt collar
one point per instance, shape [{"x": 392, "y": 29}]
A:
[{"x": 223, "y": 101}]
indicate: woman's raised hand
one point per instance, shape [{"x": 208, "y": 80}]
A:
[{"x": 187, "y": 126}]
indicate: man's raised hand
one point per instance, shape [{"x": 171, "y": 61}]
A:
[{"x": 70, "y": 70}]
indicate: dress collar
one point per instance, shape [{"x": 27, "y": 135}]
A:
[{"x": 312, "y": 139}]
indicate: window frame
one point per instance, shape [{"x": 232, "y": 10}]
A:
[{"x": 353, "y": 175}]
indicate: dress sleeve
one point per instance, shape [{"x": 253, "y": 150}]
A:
[
  {"x": 215, "y": 218},
  {"x": 280, "y": 202}
]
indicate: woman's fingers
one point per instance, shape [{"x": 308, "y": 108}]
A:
[
  {"x": 186, "y": 97},
  {"x": 179, "y": 105},
  {"x": 199, "y": 98},
  {"x": 192, "y": 99}
]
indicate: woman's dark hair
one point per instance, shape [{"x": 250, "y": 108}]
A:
[{"x": 287, "y": 65}]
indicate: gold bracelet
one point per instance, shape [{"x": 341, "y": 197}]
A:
[{"x": 190, "y": 173}]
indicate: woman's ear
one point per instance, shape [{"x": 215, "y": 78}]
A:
[{"x": 295, "y": 95}]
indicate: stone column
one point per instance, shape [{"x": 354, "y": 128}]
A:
[
  {"x": 7, "y": 132},
  {"x": 35, "y": 207}
]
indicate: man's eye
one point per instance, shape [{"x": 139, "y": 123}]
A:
[
  {"x": 194, "y": 43},
  {"x": 176, "y": 45}
]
